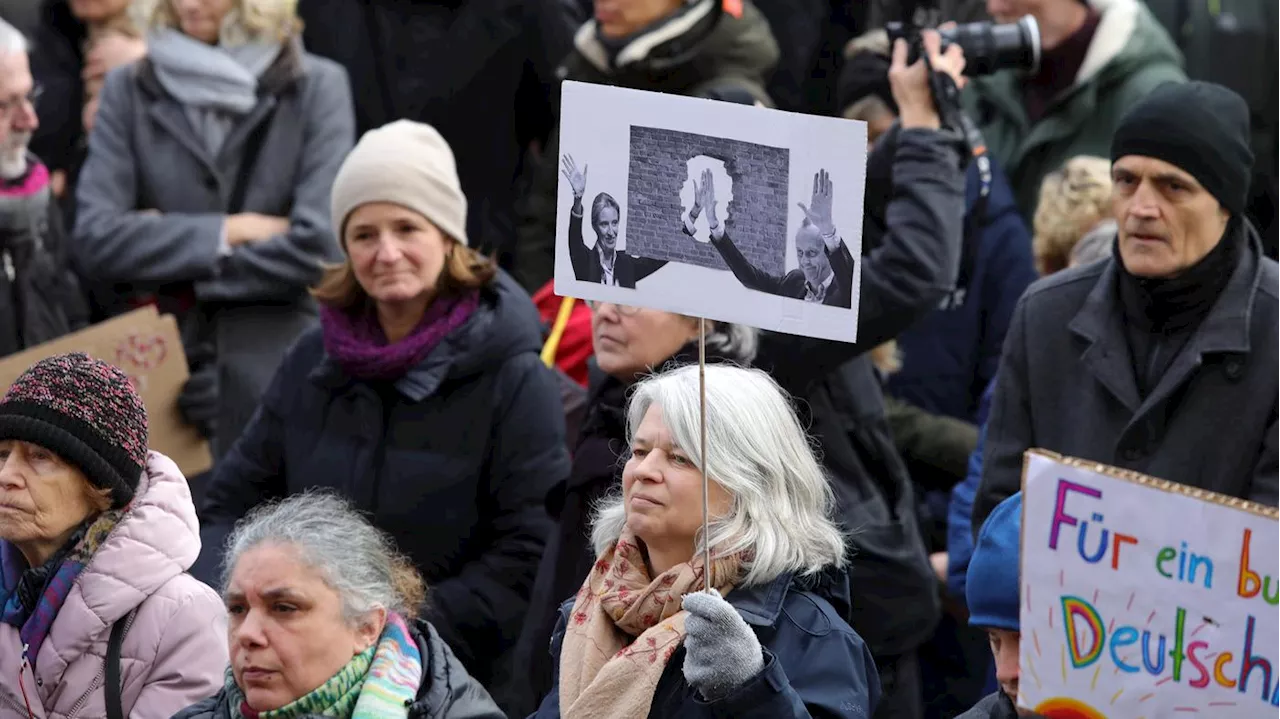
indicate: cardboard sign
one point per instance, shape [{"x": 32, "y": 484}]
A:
[
  {"x": 148, "y": 348},
  {"x": 776, "y": 243},
  {"x": 1144, "y": 599}
]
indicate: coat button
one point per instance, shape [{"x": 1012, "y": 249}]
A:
[{"x": 1234, "y": 369}]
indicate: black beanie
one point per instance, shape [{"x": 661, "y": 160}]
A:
[
  {"x": 88, "y": 413},
  {"x": 1202, "y": 128}
]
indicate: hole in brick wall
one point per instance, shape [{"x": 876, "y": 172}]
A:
[{"x": 724, "y": 192}]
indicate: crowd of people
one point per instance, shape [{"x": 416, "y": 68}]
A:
[{"x": 439, "y": 490}]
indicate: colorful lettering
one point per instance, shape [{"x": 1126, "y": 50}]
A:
[
  {"x": 1118, "y": 539},
  {"x": 1123, "y": 637},
  {"x": 1075, "y": 609},
  {"x": 1176, "y": 654},
  {"x": 1249, "y": 583},
  {"x": 1201, "y": 681},
  {"x": 1060, "y": 516},
  {"x": 1102, "y": 543},
  {"x": 1220, "y": 676},
  {"x": 1251, "y": 661},
  {"x": 1165, "y": 555}
]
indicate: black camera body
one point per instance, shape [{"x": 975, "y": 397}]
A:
[{"x": 988, "y": 47}]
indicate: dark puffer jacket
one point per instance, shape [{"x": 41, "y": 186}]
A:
[
  {"x": 453, "y": 460},
  {"x": 446, "y": 692},
  {"x": 736, "y": 53}
]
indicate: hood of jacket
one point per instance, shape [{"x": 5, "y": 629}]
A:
[
  {"x": 157, "y": 539},
  {"x": 1128, "y": 40},
  {"x": 699, "y": 44}
]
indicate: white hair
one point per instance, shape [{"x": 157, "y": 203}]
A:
[
  {"x": 11, "y": 39},
  {"x": 757, "y": 451}
]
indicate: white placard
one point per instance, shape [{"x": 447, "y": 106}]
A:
[
  {"x": 1142, "y": 599},
  {"x": 640, "y": 155}
]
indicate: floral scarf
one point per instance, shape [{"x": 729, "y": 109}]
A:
[
  {"x": 624, "y": 628},
  {"x": 380, "y": 683},
  {"x": 30, "y": 597}
]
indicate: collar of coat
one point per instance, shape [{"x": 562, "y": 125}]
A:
[
  {"x": 1225, "y": 330},
  {"x": 281, "y": 76}
]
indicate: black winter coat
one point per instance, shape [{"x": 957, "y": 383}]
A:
[
  {"x": 993, "y": 706},
  {"x": 477, "y": 70},
  {"x": 895, "y": 604},
  {"x": 446, "y": 691},
  {"x": 453, "y": 460},
  {"x": 1066, "y": 384}
]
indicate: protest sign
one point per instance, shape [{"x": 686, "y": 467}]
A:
[
  {"x": 1144, "y": 599},
  {"x": 711, "y": 209},
  {"x": 148, "y": 348}
]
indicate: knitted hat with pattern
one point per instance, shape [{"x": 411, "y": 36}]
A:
[{"x": 88, "y": 413}]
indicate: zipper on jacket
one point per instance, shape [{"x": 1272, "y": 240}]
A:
[
  {"x": 12, "y": 700},
  {"x": 100, "y": 679},
  {"x": 8, "y": 266}
]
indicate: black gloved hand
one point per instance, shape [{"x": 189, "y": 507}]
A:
[{"x": 198, "y": 401}]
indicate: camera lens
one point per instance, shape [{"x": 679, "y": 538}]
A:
[{"x": 989, "y": 47}]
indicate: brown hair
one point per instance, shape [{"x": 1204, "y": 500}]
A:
[
  {"x": 269, "y": 19},
  {"x": 408, "y": 583},
  {"x": 1072, "y": 200},
  {"x": 464, "y": 269}
]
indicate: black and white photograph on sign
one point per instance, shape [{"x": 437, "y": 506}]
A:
[{"x": 711, "y": 209}]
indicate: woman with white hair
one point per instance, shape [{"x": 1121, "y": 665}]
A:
[
  {"x": 642, "y": 639},
  {"x": 206, "y": 192},
  {"x": 323, "y": 622}
]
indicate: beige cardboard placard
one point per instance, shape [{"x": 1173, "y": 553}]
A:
[{"x": 148, "y": 348}]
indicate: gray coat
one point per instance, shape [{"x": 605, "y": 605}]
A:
[
  {"x": 144, "y": 156},
  {"x": 1066, "y": 384}
]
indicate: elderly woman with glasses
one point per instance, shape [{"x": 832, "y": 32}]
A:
[{"x": 642, "y": 638}]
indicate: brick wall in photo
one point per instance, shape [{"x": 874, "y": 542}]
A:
[{"x": 757, "y": 215}]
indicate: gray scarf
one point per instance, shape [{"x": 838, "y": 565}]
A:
[{"x": 216, "y": 84}]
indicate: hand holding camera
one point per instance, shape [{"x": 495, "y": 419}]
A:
[{"x": 910, "y": 83}]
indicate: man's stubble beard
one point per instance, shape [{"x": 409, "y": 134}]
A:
[{"x": 13, "y": 155}]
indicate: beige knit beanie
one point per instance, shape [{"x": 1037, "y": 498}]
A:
[{"x": 406, "y": 163}]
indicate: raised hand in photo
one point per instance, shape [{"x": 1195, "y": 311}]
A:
[
  {"x": 707, "y": 197},
  {"x": 819, "y": 209},
  {"x": 577, "y": 179}
]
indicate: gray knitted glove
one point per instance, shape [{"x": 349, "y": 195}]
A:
[{"x": 721, "y": 651}]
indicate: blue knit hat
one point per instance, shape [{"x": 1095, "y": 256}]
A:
[{"x": 993, "y": 587}]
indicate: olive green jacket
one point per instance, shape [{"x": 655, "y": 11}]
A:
[{"x": 1129, "y": 56}]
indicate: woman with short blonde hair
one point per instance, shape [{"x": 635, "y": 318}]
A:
[{"x": 1073, "y": 199}]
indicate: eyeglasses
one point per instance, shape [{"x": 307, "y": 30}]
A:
[
  {"x": 11, "y": 104},
  {"x": 624, "y": 310}
]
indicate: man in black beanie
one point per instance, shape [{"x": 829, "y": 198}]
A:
[{"x": 1163, "y": 358}]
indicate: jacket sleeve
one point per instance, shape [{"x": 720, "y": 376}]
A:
[
  {"x": 839, "y": 680},
  {"x": 114, "y": 241},
  {"x": 903, "y": 278},
  {"x": 937, "y": 441},
  {"x": 1011, "y": 272},
  {"x": 190, "y": 661},
  {"x": 1009, "y": 431},
  {"x": 534, "y": 256},
  {"x": 550, "y": 706},
  {"x": 960, "y": 510},
  {"x": 751, "y": 277},
  {"x": 579, "y": 255},
  {"x": 483, "y": 607},
  {"x": 285, "y": 265},
  {"x": 250, "y": 473},
  {"x": 1266, "y": 477},
  {"x": 467, "y": 699},
  {"x": 645, "y": 266}
]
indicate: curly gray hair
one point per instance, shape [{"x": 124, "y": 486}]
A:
[{"x": 359, "y": 561}]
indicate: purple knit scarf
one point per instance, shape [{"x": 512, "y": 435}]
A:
[{"x": 357, "y": 343}]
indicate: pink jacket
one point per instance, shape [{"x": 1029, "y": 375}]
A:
[{"x": 175, "y": 652}]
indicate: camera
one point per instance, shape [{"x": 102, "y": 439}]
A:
[{"x": 988, "y": 47}]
